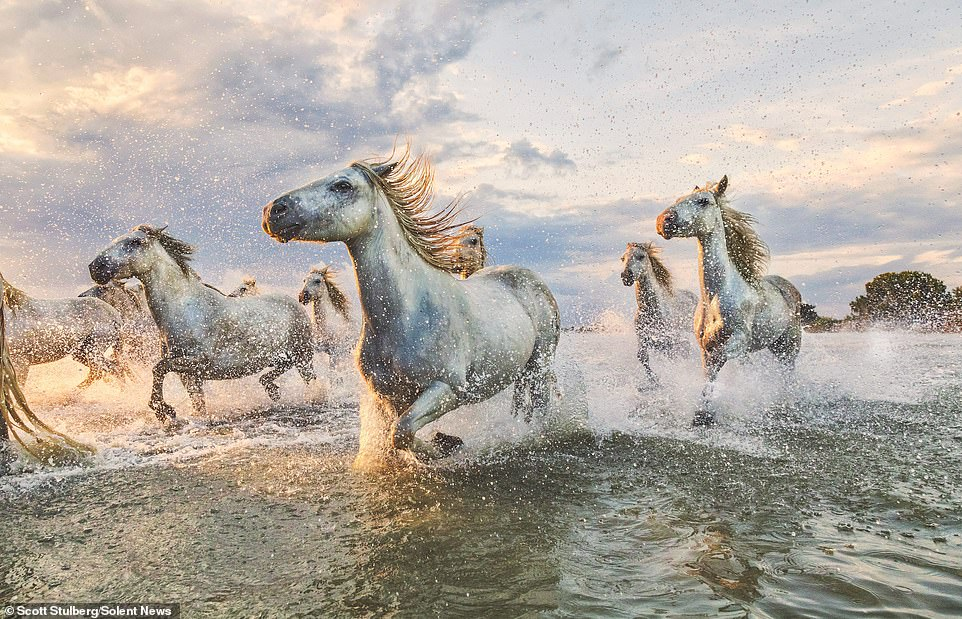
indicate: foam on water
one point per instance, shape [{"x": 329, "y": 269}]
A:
[{"x": 602, "y": 390}]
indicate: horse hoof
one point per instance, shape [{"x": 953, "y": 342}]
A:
[
  {"x": 703, "y": 419},
  {"x": 173, "y": 425},
  {"x": 446, "y": 444}
]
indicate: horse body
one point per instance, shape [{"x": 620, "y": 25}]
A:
[
  {"x": 429, "y": 343},
  {"x": 206, "y": 334},
  {"x": 663, "y": 316},
  {"x": 741, "y": 310},
  {"x": 139, "y": 338},
  {"x": 47, "y": 330}
]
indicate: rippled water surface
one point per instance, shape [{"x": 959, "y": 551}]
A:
[{"x": 834, "y": 491}]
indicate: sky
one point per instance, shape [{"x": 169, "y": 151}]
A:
[{"x": 569, "y": 125}]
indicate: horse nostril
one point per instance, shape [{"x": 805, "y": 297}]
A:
[{"x": 281, "y": 205}]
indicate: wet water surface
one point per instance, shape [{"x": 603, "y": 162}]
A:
[{"x": 831, "y": 492}]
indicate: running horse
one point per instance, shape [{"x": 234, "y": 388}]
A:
[
  {"x": 429, "y": 343},
  {"x": 327, "y": 301},
  {"x": 742, "y": 310},
  {"x": 206, "y": 334},
  {"x": 663, "y": 315}
]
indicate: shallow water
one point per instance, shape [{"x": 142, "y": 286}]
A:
[{"x": 831, "y": 492}]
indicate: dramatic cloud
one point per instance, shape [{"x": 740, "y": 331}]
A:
[{"x": 570, "y": 130}]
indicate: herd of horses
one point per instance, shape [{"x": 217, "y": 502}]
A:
[{"x": 438, "y": 328}]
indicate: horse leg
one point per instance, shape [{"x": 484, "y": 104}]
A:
[
  {"x": 786, "y": 347},
  {"x": 267, "y": 379},
  {"x": 305, "y": 367},
  {"x": 541, "y": 388},
  {"x": 195, "y": 389},
  {"x": 164, "y": 411},
  {"x": 433, "y": 402},
  {"x": 643, "y": 356},
  {"x": 713, "y": 361},
  {"x": 521, "y": 400}
]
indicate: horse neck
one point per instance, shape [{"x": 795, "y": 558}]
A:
[
  {"x": 650, "y": 297},
  {"x": 322, "y": 310},
  {"x": 392, "y": 278},
  {"x": 715, "y": 267},
  {"x": 164, "y": 283}
]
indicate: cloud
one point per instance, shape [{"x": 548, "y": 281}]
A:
[{"x": 529, "y": 159}]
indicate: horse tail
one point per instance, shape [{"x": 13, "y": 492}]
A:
[
  {"x": 19, "y": 422},
  {"x": 12, "y": 296}
]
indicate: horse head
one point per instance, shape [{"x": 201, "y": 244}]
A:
[
  {"x": 469, "y": 250},
  {"x": 338, "y": 207},
  {"x": 694, "y": 214},
  {"x": 634, "y": 264},
  {"x": 314, "y": 287},
  {"x": 136, "y": 252}
]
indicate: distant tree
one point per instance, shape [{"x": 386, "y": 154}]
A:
[
  {"x": 808, "y": 313},
  {"x": 906, "y": 296}
]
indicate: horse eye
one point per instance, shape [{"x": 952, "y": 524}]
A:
[
  {"x": 341, "y": 186},
  {"x": 703, "y": 201},
  {"x": 472, "y": 241}
]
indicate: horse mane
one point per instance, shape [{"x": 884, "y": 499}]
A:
[
  {"x": 662, "y": 274},
  {"x": 748, "y": 252},
  {"x": 181, "y": 251},
  {"x": 338, "y": 299},
  {"x": 407, "y": 183}
]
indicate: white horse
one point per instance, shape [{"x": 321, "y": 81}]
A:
[
  {"x": 206, "y": 334},
  {"x": 139, "y": 337},
  {"x": 331, "y": 335},
  {"x": 47, "y": 330},
  {"x": 663, "y": 316},
  {"x": 470, "y": 254},
  {"x": 429, "y": 343},
  {"x": 741, "y": 309},
  {"x": 248, "y": 288}
]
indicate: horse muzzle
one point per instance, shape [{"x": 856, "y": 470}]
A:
[
  {"x": 280, "y": 220},
  {"x": 627, "y": 279},
  {"x": 102, "y": 269},
  {"x": 303, "y": 298},
  {"x": 665, "y": 225}
]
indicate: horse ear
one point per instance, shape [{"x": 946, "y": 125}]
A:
[
  {"x": 722, "y": 186},
  {"x": 385, "y": 168}
]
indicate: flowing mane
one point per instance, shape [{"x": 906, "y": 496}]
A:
[
  {"x": 748, "y": 252},
  {"x": 338, "y": 298},
  {"x": 662, "y": 274},
  {"x": 407, "y": 183},
  {"x": 181, "y": 251}
]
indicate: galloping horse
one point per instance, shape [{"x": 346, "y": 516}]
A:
[
  {"x": 206, "y": 334},
  {"x": 327, "y": 302},
  {"x": 46, "y": 330},
  {"x": 248, "y": 288},
  {"x": 429, "y": 343},
  {"x": 470, "y": 254},
  {"x": 663, "y": 316},
  {"x": 742, "y": 310}
]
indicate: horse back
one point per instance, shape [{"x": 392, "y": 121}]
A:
[{"x": 788, "y": 290}]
